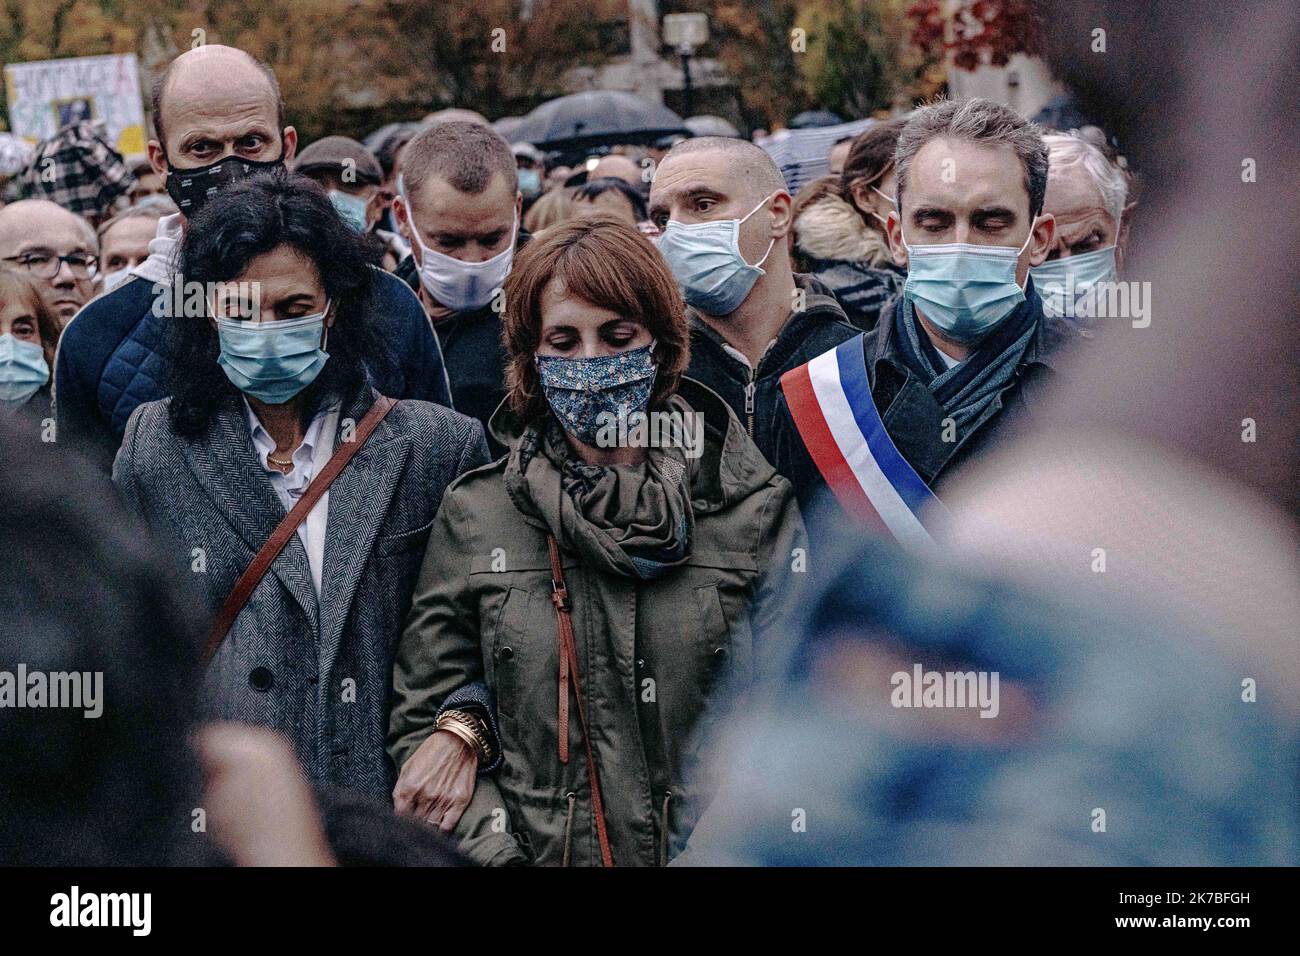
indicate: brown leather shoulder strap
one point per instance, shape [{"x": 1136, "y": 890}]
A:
[
  {"x": 569, "y": 670},
  {"x": 254, "y": 573}
]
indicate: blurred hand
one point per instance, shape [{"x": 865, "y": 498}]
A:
[
  {"x": 260, "y": 809},
  {"x": 437, "y": 782}
]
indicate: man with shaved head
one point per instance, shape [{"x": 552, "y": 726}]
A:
[
  {"x": 725, "y": 212},
  {"x": 219, "y": 118},
  {"x": 616, "y": 166},
  {"x": 55, "y": 247}
]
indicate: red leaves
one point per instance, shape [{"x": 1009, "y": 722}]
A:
[{"x": 980, "y": 31}]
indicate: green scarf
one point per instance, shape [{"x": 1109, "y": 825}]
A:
[{"x": 632, "y": 520}]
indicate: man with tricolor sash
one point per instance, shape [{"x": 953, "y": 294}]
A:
[{"x": 884, "y": 419}]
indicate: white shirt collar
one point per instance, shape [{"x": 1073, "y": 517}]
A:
[
  {"x": 948, "y": 360},
  {"x": 303, "y": 456},
  {"x": 739, "y": 356}
]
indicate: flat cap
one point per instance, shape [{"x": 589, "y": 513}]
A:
[{"x": 333, "y": 154}]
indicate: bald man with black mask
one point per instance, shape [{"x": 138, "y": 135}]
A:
[{"x": 219, "y": 118}]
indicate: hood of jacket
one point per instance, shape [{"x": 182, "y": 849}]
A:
[{"x": 831, "y": 229}]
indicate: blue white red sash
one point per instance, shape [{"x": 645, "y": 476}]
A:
[{"x": 830, "y": 400}]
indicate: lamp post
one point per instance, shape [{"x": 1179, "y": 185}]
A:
[
  {"x": 687, "y": 32},
  {"x": 685, "y": 50}
]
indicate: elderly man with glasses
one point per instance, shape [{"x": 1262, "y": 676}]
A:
[{"x": 56, "y": 247}]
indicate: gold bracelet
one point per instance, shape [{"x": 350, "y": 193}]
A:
[
  {"x": 480, "y": 728},
  {"x": 470, "y": 728},
  {"x": 483, "y": 731}
]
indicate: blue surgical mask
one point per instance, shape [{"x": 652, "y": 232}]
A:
[
  {"x": 582, "y": 391},
  {"x": 530, "y": 182},
  {"x": 706, "y": 261},
  {"x": 1062, "y": 282},
  {"x": 113, "y": 279},
  {"x": 351, "y": 209},
  {"x": 273, "y": 361},
  {"x": 964, "y": 290},
  {"x": 23, "y": 370}
]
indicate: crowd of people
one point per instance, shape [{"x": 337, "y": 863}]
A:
[{"x": 504, "y": 482}]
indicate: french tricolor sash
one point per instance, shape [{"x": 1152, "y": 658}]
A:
[{"x": 830, "y": 401}]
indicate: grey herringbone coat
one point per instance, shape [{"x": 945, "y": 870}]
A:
[{"x": 320, "y": 675}]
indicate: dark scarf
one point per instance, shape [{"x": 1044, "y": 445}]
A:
[
  {"x": 968, "y": 389},
  {"x": 633, "y": 520}
]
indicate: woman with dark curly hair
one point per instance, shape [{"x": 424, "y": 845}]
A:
[
  {"x": 269, "y": 381},
  {"x": 606, "y": 578}
]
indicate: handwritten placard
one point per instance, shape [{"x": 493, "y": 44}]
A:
[{"x": 45, "y": 95}]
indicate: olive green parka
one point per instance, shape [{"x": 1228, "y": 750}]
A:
[{"x": 656, "y": 657}]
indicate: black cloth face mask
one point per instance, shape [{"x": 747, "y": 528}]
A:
[{"x": 191, "y": 188}]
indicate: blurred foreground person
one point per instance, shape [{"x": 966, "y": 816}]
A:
[
  {"x": 459, "y": 207},
  {"x": 266, "y": 389},
  {"x": 109, "y": 777},
  {"x": 636, "y": 573},
  {"x": 1144, "y": 543},
  {"x": 1057, "y": 732},
  {"x": 1087, "y": 196},
  {"x": 57, "y": 248},
  {"x": 29, "y": 333},
  {"x": 219, "y": 118}
]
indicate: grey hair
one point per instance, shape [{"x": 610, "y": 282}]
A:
[
  {"x": 981, "y": 121},
  {"x": 145, "y": 208},
  {"x": 1071, "y": 149}
]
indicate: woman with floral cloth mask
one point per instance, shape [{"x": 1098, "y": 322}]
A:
[
  {"x": 607, "y": 578},
  {"x": 29, "y": 333},
  {"x": 269, "y": 391}
]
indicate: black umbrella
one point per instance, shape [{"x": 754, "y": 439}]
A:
[{"x": 597, "y": 118}]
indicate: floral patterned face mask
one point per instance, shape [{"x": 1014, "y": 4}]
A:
[{"x": 588, "y": 393}]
